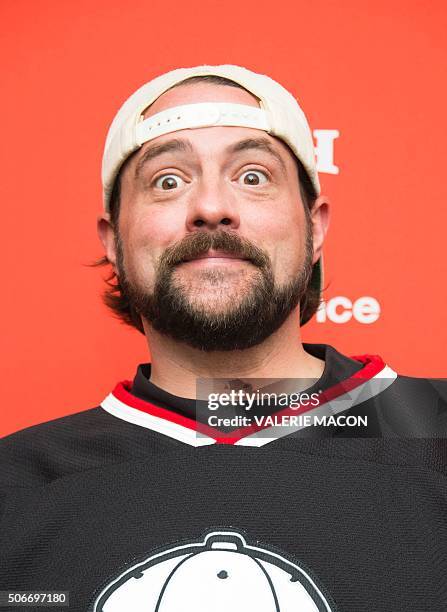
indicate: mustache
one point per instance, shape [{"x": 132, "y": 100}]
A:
[{"x": 199, "y": 243}]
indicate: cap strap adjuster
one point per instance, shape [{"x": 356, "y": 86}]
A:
[{"x": 204, "y": 114}]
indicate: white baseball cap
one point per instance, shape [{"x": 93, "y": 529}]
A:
[{"x": 278, "y": 114}]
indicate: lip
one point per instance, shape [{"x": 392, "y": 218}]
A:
[{"x": 216, "y": 257}]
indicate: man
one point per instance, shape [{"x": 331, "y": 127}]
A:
[{"x": 162, "y": 500}]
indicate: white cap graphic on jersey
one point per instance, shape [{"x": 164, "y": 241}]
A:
[{"x": 219, "y": 574}]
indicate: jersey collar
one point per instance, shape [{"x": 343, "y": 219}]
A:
[{"x": 336, "y": 398}]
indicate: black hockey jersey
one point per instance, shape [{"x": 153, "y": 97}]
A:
[{"x": 136, "y": 506}]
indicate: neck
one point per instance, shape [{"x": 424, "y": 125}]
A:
[{"x": 175, "y": 367}]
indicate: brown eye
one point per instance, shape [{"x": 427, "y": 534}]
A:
[
  {"x": 168, "y": 181},
  {"x": 253, "y": 177}
]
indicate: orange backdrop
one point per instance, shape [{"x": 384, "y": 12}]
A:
[{"x": 374, "y": 72}]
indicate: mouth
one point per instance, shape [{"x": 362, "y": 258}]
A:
[{"x": 212, "y": 256}]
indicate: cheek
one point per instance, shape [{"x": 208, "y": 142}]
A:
[
  {"x": 146, "y": 235},
  {"x": 280, "y": 230}
]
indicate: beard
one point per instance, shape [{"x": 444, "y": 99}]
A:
[{"x": 229, "y": 317}]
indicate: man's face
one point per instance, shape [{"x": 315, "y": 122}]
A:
[{"x": 214, "y": 247}]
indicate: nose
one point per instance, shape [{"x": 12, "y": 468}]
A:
[{"x": 211, "y": 207}]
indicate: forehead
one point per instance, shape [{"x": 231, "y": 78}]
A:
[{"x": 192, "y": 93}]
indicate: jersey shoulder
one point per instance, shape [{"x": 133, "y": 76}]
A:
[
  {"x": 40, "y": 453},
  {"x": 70, "y": 444}
]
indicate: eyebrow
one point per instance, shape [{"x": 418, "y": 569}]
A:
[
  {"x": 178, "y": 145},
  {"x": 172, "y": 146},
  {"x": 260, "y": 144}
]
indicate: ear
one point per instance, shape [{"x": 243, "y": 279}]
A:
[
  {"x": 320, "y": 216},
  {"x": 106, "y": 234}
]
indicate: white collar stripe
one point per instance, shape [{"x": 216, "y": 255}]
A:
[{"x": 121, "y": 410}]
